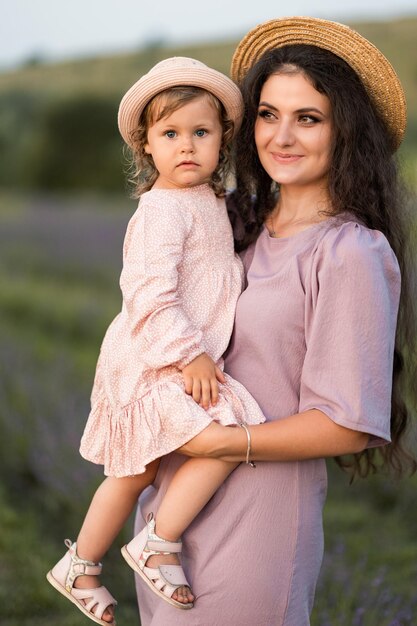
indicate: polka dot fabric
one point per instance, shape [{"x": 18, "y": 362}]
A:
[{"x": 180, "y": 283}]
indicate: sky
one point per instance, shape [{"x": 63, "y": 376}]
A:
[{"x": 57, "y": 30}]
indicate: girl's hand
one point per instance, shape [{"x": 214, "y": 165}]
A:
[{"x": 201, "y": 378}]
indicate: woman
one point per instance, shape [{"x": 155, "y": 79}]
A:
[{"x": 315, "y": 328}]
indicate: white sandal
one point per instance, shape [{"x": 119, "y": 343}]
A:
[
  {"x": 165, "y": 579},
  {"x": 63, "y": 575}
]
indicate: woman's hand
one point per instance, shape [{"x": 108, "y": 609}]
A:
[{"x": 201, "y": 380}]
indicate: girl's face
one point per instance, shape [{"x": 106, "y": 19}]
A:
[
  {"x": 185, "y": 145},
  {"x": 293, "y": 131}
]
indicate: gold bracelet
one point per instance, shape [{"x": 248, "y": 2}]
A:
[{"x": 248, "y": 450}]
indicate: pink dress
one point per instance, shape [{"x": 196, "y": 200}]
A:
[
  {"x": 180, "y": 283},
  {"x": 314, "y": 328}
]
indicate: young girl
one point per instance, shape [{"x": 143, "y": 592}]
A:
[{"x": 180, "y": 283}]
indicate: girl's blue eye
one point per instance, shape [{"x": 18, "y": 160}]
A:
[
  {"x": 200, "y": 132},
  {"x": 170, "y": 134}
]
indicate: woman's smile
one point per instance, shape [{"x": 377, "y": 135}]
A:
[{"x": 286, "y": 158}]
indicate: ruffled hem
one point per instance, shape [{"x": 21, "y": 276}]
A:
[{"x": 125, "y": 441}]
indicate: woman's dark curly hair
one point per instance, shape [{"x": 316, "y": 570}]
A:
[{"x": 363, "y": 180}]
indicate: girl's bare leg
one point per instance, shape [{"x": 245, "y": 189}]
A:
[
  {"x": 110, "y": 507},
  {"x": 189, "y": 491}
]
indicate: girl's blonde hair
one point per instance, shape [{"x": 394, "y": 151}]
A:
[{"x": 142, "y": 172}]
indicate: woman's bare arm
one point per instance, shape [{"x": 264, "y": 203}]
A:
[{"x": 302, "y": 436}]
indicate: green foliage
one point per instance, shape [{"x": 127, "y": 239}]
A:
[
  {"x": 27, "y": 554},
  {"x": 19, "y": 118},
  {"x": 58, "y": 125},
  {"x": 78, "y": 146},
  {"x": 59, "y": 292},
  {"x": 370, "y": 554},
  {"x": 56, "y": 301}
]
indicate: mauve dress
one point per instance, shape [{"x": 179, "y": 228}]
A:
[{"x": 314, "y": 328}]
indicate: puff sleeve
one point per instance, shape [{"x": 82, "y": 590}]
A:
[
  {"x": 351, "y": 316},
  {"x": 152, "y": 255}
]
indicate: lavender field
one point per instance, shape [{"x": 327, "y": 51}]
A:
[{"x": 60, "y": 260}]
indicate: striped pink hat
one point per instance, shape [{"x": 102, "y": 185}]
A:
[{"x": 174, "y": 72}]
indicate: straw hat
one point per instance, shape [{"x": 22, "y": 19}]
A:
[
  {"x": 374, "y": 70},
  {"x": 174, "y": 72}
]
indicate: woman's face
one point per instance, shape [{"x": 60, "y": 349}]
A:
[{"x": 293, "y": 131}]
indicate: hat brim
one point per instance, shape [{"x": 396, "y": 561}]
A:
[
  {"x": 374, "y": 70},
  {"x": 138, "y": 96}
]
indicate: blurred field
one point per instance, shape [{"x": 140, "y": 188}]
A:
[
  {"x": 60, "y": 259},
  {"x": 114, "y": 74},
  {"x": 58, "y": 121}
]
